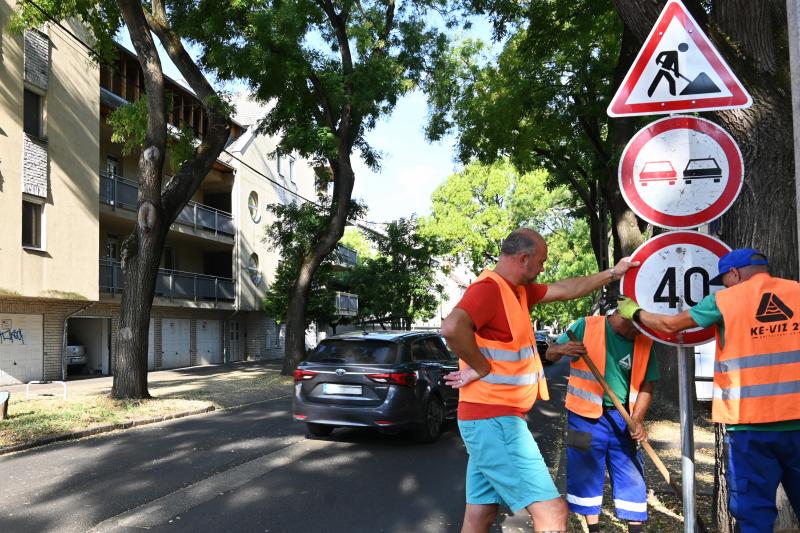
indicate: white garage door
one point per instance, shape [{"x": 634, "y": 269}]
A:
[
  {"x": 175, "y": 342},
  {"x": 151, "y": 346},
  {"x": 208, "y": 342},
  {"x": 21, "y": 350}
]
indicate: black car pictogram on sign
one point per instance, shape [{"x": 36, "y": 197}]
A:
[{"x": 702, "y": 168}]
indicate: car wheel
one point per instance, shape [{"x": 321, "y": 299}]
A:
[
  {"x": 434, "y": 420},
  {"x": 319, "y": 430}
]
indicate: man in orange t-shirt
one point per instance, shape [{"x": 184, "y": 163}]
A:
[{"x": 505, "y": 465}]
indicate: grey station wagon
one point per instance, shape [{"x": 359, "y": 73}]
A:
[{"x": 388, "y": 380}]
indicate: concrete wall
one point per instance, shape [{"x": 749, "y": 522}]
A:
[{"x": 65, "y": 267}]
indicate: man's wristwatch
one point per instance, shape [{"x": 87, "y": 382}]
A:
[{"x": 635, "y": 316}]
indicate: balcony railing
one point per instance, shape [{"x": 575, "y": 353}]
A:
[
  {"x": 346, "y": 304},
  {"x": 344, "y": 256},
  {"x": 122, "y": 193},
  {"x": 172, "y": 284}
]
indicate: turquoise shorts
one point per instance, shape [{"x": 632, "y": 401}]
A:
[{"x": 505, "y": 465}]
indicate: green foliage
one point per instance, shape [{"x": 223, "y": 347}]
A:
[
  {"x": 569, "y": 254},
  {"x": 102, "y": 18},
  {"x": 355, "y": 239},
  {"x": 478, "y": 207},
  {"x": 399, "y": 284},
  {"x": 293, "y": 232},
  {"x": 129, "y": 128},
  {"x": 323, "y": 98},
  {"x": 542, "y": 102}
]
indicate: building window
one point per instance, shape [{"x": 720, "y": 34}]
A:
[
  {"x": 252, "y": 269},
  {"x": 252, "y": 205},
  {"x": 33, "y": 114},
  {"x": 279, "y": 161},
  {"x": 291, "y": 169},
  {"x": 32, "y": 224}
]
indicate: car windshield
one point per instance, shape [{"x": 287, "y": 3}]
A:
[
  {"x": 658, "y": 166},
  {"x": 354, "y": 351},
  {"x": 697, "y": 164}
]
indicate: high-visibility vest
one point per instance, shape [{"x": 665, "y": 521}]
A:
[
  {"x": 516, "y": 377},
  {"x": 757, "y": 371},
  {"x": 584, "y": 392}
]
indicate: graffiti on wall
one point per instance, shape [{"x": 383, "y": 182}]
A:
[{"x": 12, "y": 336}]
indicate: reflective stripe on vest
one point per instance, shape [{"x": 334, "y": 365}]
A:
[
  {"x": 520, "y": 379},
  {"x": 757, "y": 370},
  {"x": 516, "y": 378},
  {"x": 495, "y": 354},
  {"x": 758, "y": 361},
  {"x": 757, "y": 391},
  {"x": 584, "y": 392},
  {"x": 586, "y": 395}
]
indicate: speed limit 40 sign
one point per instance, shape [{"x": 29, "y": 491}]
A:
[{"x": 674, "y": 275}]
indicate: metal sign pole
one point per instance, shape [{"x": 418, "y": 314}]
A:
[
  {"x": 687, "y": 440},
  {"x": 685, "y": 382}
]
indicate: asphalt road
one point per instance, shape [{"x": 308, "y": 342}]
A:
[{"x": 253, "y": 469}]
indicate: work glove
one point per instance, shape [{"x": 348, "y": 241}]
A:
[{"x": 627, "y": 307}]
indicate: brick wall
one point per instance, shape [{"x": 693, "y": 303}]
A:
[
  {"x": 37, "y": 58},
  {"x": 35, "y": 165}
]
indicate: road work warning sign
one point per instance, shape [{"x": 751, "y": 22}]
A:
[{"x": 678, "y": 69}]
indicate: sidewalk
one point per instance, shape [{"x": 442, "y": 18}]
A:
[{"x": 46, "y": 417}]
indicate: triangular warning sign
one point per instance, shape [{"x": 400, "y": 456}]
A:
[
  {"x": 678, "y": 69},
  {"x": 772, "y": 309}
]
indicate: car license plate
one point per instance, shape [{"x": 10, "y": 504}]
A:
[{"x": 335, "y": 388}]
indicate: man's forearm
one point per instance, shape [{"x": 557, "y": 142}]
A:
[
  {"x": 641, "y": 406},
  {"x": 666, "y": 323},
  {"x": 572, "y": 288}
]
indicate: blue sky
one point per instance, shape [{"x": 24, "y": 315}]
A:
[{"x": 411, "y": 167}]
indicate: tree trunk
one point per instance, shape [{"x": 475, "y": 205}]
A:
[
  {"x": 722, "y": 519},
  {"x": 157, "y": 205},
  {"x": 138, "y": 268},
  {"x": 752, "y": 37},
  {"x": 343, "y": 180}
]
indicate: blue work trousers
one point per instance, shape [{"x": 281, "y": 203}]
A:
[{"x": 757, "y": 462}]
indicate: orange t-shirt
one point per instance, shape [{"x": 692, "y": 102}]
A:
[{"x": 484, "y": 305}]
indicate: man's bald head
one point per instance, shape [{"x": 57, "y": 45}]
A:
[{"x": 521, "y": 241}]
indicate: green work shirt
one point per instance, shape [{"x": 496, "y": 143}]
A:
[
  {"x": 707, "y": 314},
  {"x": 619, "y": 361}
]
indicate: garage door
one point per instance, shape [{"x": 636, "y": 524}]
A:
[
  {"x": 151, "y": 346},
  {"x": 208, "y": 342},
  {"x": 21, "y": 350},
  {"x": 175, "y": 342}
]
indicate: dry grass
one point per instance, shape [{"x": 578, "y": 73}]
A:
[{"x": 47, "y": 416}]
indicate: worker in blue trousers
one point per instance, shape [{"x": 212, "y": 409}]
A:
[{"x": 597, "y": 434}]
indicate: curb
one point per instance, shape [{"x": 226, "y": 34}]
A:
[{"x": 106, "y": 428}]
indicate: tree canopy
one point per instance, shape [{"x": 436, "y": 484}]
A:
[
  {"x": 478, "y": 207},
  {"x": 398, "y": 285}
]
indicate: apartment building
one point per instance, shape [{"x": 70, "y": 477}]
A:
[{"x": 68, "y": 198}]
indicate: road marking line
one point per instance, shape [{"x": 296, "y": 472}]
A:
[{"x": 159, "y": 511}]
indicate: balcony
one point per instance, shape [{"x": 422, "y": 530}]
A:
[
  {"x": 122, "y": 193},
  {"x": 173, "y": 284},
  {"x": 345, "y": 257},
  {"x": 346, "y": 304}
]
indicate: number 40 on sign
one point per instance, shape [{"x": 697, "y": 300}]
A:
[{"x": 674, "y": 275}]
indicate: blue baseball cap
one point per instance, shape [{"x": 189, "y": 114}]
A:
[{"x": 741, "y": 257}]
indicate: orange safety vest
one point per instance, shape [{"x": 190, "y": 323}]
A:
[
  {"x": 757, "y": 372},
  {"x": 516, "y": 377},
  {"x": 584, "y": 392}
]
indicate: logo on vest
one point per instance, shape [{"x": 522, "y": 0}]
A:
[
  {"x": 625, "y": 362},
  {"x": 772, "y": 309}
]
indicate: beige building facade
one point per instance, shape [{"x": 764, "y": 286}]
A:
[{"x": 68, "y": 199}]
